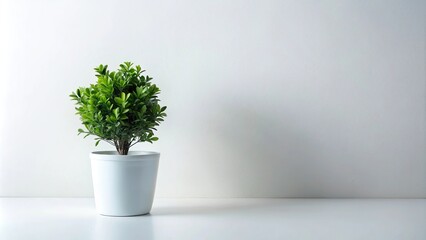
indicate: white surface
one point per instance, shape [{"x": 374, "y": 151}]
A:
[
  {"x": 266, "y": 98},
  {"x": 301, "y": 219},
  {"x": 124, "y": 185}
]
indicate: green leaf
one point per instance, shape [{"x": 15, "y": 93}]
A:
[
  {"x": 80, "y": 131},
  {"x": 118, "y": 100}
]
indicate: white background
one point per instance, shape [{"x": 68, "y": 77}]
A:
[{"x": 266, "y": 98}]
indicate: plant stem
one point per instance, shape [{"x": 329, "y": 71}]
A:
[{"x": 122, "y": 146}]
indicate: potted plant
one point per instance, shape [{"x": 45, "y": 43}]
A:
[{"x": 122, "y": 108}]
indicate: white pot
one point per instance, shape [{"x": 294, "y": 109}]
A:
[{"x": 124, "y": 185}]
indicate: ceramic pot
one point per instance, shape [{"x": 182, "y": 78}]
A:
[{"x": 124, "y": 185}]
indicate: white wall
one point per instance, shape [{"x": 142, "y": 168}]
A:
[{"x": 266, "y": 98}]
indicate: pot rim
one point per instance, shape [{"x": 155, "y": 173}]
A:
[{"x": 114, "y": 156}]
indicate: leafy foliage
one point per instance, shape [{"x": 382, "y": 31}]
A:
[{"x": 121, "y": 108}]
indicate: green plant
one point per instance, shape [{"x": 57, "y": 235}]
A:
[{"x": 122, "y": 108}]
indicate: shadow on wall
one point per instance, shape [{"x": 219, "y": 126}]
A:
[{"x": 260, "y": 153}]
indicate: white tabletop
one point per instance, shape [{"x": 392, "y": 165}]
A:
[{"x": 76, "y": 218}]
